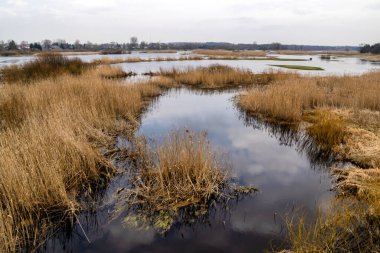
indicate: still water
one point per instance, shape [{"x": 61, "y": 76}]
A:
[
  {"x": 267, "y": 157},
  {"x": 338, "y": 66}
]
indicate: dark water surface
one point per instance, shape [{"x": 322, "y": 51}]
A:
[{"x": 263, "y": 156}]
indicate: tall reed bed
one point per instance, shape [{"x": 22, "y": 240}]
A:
[
  {"x": 49, "y": 137},
  {"x": 44, "y": 66},
  {"x": 288, "y": 99},
  {"x": 214, "y": 76},
  {"x": 183, "y": 170}
]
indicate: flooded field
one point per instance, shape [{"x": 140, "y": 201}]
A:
[{"x": 263, "y": 156}]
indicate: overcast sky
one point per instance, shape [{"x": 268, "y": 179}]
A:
[{"x": 314, "y": 22}]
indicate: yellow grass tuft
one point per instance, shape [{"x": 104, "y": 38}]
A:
[{"x": 182, "y": 171}]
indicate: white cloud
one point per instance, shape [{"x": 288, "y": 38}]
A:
[{"x": 288, "y": 21}]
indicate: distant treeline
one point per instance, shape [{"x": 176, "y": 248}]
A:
[
  {"x": 374, "y": 49},
  {"x": 134, "y": 44}
]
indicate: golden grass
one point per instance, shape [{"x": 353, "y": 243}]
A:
[
  {"x": 344, "y": 227},
  {"x": 350, "y": 224},
  {"x": 113, "y": 72},
  {"x": 183, "y": 170},
  {"x": 327, "y": 129},
  {"x": 288, "y": 99},
  {"x": 49, "y": 134},
  {"x": 230, "y": 53},
  {"x": 44, "y": 66},
  {"x": 342, "y": 115},
  {"x": 214, "y": 76},
  {"x": 370, "y": 57}
]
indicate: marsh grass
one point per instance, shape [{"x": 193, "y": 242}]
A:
[
  {"x": 44, "y": 66},
  {"x": 184, "y": 170},
  {"x": 344, "y": 227},
  {"x": 327, "y": 130},
  {"x": 340, "y": 114},
  {"x": 113, "y": 72},
  {"x": 369, "y": 57},
  {"x": 288, "y": 99},
  {"x": 214, "y": 76},
  {"x": 50, "y": 134}
]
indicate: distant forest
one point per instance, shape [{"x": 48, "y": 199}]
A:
[
  {"x": 134, "y": 44},
  {"x": 374, "y": 49}
]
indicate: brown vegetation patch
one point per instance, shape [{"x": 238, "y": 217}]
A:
[
  {"x": 214, "y": 76},
  {"x": 44, "y": 66},
  {"x": 113, "y": 72},
  {"x": 183, "y": 170},
  {"x": 49, "y": 137}
]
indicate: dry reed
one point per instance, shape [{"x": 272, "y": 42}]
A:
[
  {"x": 214, "y": 76},
  {"x": 113, "y": 72},
  {"x": 183, "y": 170},
  {"x": 344, "y": 227},
  {"x": 288, "y": 99},
  {"x": 49, "y": 134},
  {"x": 44, "y": 66}
]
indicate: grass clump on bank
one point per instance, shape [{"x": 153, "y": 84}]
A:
[
  {"x": 113, "y": 72},
  {"x": 44, "y": 66},
  {"x": 344, "y": 227},
  {"x": 298, "y": 67},
  {"x": 180, "y": 179},
  {"x": 50, "y": 135},
  {"x": 327, "y": 130},
  {"x": 214, "y": 76},
  {"x": 290, "y": 98},
  {"x": 183, "y": 170},
  {"x": 341, "y": 114}
]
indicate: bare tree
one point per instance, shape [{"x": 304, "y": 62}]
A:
[
  {"x": 24, "y": 45},
  {"x": 2, "y": 45}
]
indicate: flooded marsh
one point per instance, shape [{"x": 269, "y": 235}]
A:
[{"x": 170, "y": 190}]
